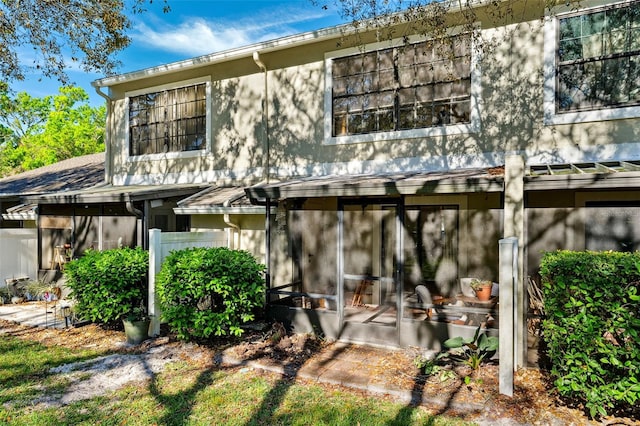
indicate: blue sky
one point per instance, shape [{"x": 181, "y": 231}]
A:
[{"x": 197, "y": 27}]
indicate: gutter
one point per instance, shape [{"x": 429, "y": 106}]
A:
[
  {"x": 296, "y": 40},
  {"x": 108, "y": 172},
  {"x": 227, "y": 219},
  {"x": 134, "y": 211}
]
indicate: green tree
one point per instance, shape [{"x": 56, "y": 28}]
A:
[
  {"x": 390, "y": 19},
  {"x": 22, "y": 114},
  {"x": 41, "y": 131},
  {"x": 86, "y": 32}
]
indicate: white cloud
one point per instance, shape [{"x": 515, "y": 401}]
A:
[{"x": 197, "y": 36}]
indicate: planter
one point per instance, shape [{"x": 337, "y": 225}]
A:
[
  {"x": 136, "y": 331},
  {"x": 483, "y": 293}
]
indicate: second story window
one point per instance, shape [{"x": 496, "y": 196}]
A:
[
  {"x": 171, "y": 120},
  {"x": 598, "y": 59},
  {"x": 412, "y": 86}
]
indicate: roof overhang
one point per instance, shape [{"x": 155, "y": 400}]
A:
[
  {"x": 296, "y": 40},
  {"x": 113, "y": 194},
  {"x": 449, "y": 182},
  {"x": 218, "y": 200}
]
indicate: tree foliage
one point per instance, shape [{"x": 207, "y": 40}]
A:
[
  {"x": 399, "y": 19},
  {"x": 85, "y": 33},
  {"x": 35, "y": 132}
]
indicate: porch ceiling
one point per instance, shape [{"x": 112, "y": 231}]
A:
[
  {"x": 585, "y": 175},
  {"x": 113, "y": 194},
  {"x": 367, "y": 185}
]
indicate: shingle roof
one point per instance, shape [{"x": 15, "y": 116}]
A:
[
  {"x": 72, "y": 174},
  {"x": 214, "y": 199},
  {"x": 409, "y": 183}
]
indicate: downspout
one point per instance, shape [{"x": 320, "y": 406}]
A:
[
  {"x": 233, "y": 227},
  {"x": 140, "y": 216},
  {"x": 265, "y": 116},
  {"x": 107, "y": 134}
]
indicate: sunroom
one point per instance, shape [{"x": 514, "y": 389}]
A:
[{"x": 380, "y": 258}]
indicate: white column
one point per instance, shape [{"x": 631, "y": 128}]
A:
[
  {"x": 508, "y": 323},
  {"x": 514, "y": 227},
  {"x": 155, "y": 261}
]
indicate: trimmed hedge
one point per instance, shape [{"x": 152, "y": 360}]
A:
[
  {"x": 208, "y": 292},
  {"x": 592, "y": 329},
  {"x": 109, "y": 285}
]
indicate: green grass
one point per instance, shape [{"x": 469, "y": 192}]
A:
[
  {"x": 24, "y": 367},
  {"x": 187, "y": 395}
]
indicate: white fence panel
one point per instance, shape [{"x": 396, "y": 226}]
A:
[
  {"x": 18, "y": 253},
  {"x": 171, "y": 241},
  {"x": 160, "y": 245}
]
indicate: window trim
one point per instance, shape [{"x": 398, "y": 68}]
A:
[
  {"x": 172, "y": 154},
  {"x": 447, "y": 130},
  {"x": 551, "y": 40}
]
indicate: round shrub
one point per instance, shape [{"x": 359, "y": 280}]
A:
[
  {"x": 109, "y": 285},
  {"x": 592, "y": 328},
  {"x": 208, "y": 292}
]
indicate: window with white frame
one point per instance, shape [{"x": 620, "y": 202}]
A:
[
  {"x": 598, "y": 59},
  {"x": 411, "y": 86},
  {"x": 172, "y": 120}
]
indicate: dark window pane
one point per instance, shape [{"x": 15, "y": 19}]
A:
[
  {"x": 406, "y": 119},
  {"x": 460, "y": 112},
  {"x": 386, "y": 80},
  {"x": 406, "y": 97},
  {"x": 385, "y": 119},
  {"x": 369, "y": 122},
  {"x": 340, "y": 124},
  {"x": 385, "y": 58},
  {"x": 406, "y": 76},
  {"x": 442, "y": 114},
  {"x": 571, "y": 27},
  {"x": 172, "y": 120},
  {"x": 355, "y": 123},
  {"x": 424, "y": 115},
  {"x": 593, "y": 23},
  {"x": 597, "y": 52},
  {"x": 394, "y": 88}
]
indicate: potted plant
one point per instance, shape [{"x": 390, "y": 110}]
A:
[
  {"x": 5, "y": 296},
  {"x": 482, "y": 288},
  {"x": 136, "y": 325}
]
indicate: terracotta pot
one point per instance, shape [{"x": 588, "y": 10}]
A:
[{"x": 484, "y": 292}]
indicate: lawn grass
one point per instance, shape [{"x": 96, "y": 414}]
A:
[
  {"x": 184, "y": 394},
  {"x": 24, "y": 367}
]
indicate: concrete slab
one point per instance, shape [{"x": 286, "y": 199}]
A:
[{"x": 35, "y": 314}]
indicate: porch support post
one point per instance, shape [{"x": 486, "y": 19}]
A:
[
  {"x": 514, "y": 227},
  {"x": 508, "y": 330},
  {"x": 267, "y": 242},
  {"x": 155, "y": 261}
]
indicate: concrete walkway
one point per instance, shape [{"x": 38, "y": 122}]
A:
[{"x": 36, "y": 314}]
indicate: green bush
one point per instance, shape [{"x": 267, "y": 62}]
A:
[
  {"x": 592, "y": 330},
  {"x": 109, "y": 285},
  {"x": 208, "y": 292}
]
